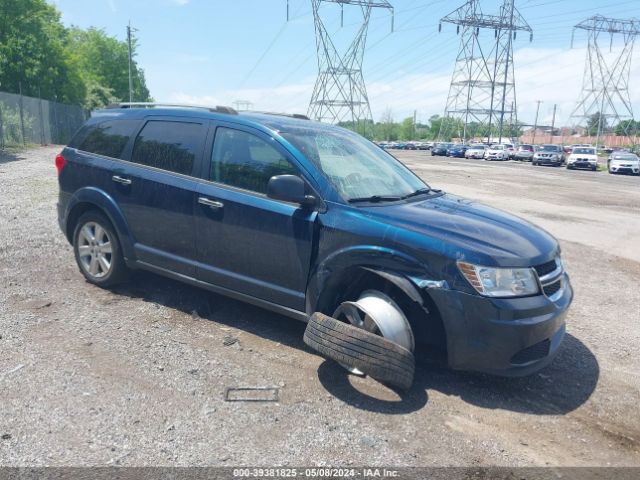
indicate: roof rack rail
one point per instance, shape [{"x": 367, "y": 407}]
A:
[
  {"x": 280, "y": 114},
  {"x": 217, "y": 109}
]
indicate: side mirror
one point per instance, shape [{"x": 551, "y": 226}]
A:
[{"x": 289, "y": 188}]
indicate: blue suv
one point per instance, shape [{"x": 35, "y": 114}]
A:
[{"x": 301, "y": 217}]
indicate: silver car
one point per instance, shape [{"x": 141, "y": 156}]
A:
[{"x": 624, "y": 163}]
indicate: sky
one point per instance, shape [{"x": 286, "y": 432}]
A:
[{"x": 215, "y": 52}]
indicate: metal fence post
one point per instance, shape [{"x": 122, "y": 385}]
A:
[
  {"x": 42, "y": 137},
  {"x": 54, "y": 130},
  {"x": 1, "y": 130},
  {"x": 24, "y": 140}
]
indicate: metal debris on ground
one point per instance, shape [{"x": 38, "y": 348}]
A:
[
  {"x": 229, "y": 340},
  {"x": 252, "y": 394}
]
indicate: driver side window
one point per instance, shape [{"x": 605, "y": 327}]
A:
[{"x": 243, "y": 160}]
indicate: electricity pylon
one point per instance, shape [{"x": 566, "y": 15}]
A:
[
  {"x": 340, "y": 94},
  {"x": 605, "y": 88},
  {"x": 482, "y": 95}
]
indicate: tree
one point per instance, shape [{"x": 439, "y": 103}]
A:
[
  {"x": 41, "y": 58},
  {"x": 32, "y": 52},
  {"x": 104, "y": 64},
  {"x": 627, "y": 128},
  {"x": 596, "y": 123},
  {"x": 407, "y": 129},
  {"x": 387, "y": 125}
]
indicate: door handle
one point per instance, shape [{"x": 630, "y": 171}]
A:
[
  {"x": 215, "y": 205},
  {"x": 123, "y": 181}
]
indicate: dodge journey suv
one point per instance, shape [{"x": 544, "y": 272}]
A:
[{"x": 302, "y": 218}]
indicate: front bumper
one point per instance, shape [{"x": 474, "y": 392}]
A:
[
  {"x": 508, "y": 337},
  {"x": 583, "y": 164},
  {"x": 548, "y": 160},
  {"x": 624, "y": 169}
]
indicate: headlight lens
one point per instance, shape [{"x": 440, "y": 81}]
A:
[{"x": 500, "y": 282}]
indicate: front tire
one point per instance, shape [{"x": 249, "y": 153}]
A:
[{"x": 97, "y": 250}]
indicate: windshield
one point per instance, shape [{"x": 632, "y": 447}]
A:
[
  {"x": 355, "y": 166},
  {"x": 584, "y": 151},
  {"x": 525, "y": 148},
  {"x": 497, "y": 147},
  {"x": 549, "y": 148}
]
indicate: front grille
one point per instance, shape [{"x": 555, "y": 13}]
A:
[
  {"x": 532, "y": 353},
  {"x": 546, "y": 268},
  {"x": 552, "y": 288}
]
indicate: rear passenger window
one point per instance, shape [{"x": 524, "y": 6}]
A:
[
  {"x": 245, "y": 161},
  {"x": 171, "y": 146},
  {"x": 108, "y": 138}
]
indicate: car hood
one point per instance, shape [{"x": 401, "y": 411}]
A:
[
  {"x": 491, "y": 150},
  {"x": 625, "y": 162},
  {"x": 576, "y": 156},
  {"x": 467, "y": 230}
]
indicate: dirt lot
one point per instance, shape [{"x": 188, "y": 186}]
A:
[{"x": 137, "y": 376}]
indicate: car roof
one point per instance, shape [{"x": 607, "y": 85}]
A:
[{"x": 272, "y": 121}]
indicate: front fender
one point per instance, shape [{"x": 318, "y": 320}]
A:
[
  {"x": 107, "y": 205},
  {"x": 395, "y": 266}
]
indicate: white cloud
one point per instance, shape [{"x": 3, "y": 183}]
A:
[{"x": 553, "y": 76}]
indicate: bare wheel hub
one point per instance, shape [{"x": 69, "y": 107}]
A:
[{"x": 377, "y": 313}]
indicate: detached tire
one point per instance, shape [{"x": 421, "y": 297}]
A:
[{"x": 372, "y": 354}]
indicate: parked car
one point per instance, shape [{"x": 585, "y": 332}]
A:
[
  {"x": 475, "y": 151},
  {"x": 524, "y": 153},
  {"x": 317, "y": 223},
  {"x": 496, "y": 152},
  {"x": 548, "y": 155},
  {"x": 440, "y": 149},
  {"x": 583, "y": 157},
  {"x": 511, "y": 150},
  {"x": 624, "y": 163},
  {"x": 457, "y": 151}
]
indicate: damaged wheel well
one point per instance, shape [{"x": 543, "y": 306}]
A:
[{"x": 422, "y": 313}]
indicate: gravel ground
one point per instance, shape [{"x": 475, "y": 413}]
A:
[{"x": 136, "y": 376}]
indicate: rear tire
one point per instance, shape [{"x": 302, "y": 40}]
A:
[
  {"x": 97, "y": 250},
  {"x": 386, "y": 361}
]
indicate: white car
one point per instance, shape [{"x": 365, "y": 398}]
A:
[
  {"x": 496, "y": 152},
  {"x": 475, "y": 151},
  {"x": 583, "y": 157},
  {"x": 624, "y": 163}
]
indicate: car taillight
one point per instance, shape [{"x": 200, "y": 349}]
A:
[{"x": 60, "y": 162}]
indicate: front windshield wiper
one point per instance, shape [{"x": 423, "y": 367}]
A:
[
  {"x": 375, "y": 199},
  {"x": 421, "y": 191}
]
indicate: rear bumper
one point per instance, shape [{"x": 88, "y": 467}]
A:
[
  {"x": 61, "y": 206},
  {"x": 508, "y": 337}
]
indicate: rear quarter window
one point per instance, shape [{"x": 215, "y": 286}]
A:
[
  {"x": 106, "y": 138},
  {"x": 171, "y": 146}
]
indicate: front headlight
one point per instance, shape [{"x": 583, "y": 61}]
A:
[{"x": 500, "y": 282}]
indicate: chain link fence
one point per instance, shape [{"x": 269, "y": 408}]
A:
[{"x": 28, "y": 121}]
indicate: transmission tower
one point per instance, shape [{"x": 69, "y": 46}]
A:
[
  {"x": 605, "y": 88},
  {"x": 340, "y": 94},
  {"x": 482, "y": 95}
]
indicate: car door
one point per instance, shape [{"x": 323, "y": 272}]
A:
[
  {"x": 156, "y": 190},
  {"x": 246, "y": 241}
]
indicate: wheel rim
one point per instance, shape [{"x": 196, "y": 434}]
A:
[
  {"x": 377, "y": 313},
  {"x": 95, "y": 250}
]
